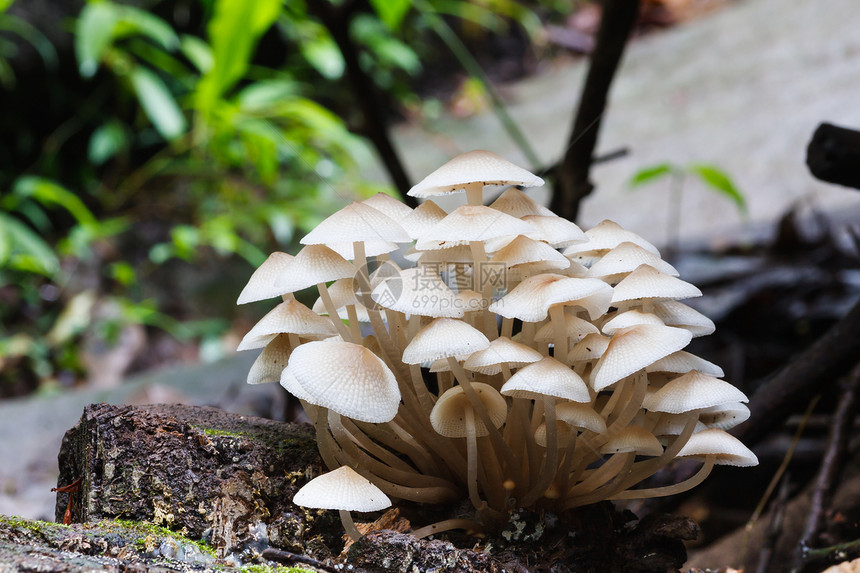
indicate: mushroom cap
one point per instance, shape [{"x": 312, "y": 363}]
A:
[
  {"x": 724, "y": 416},
  {"x": 728, "y": 450},
  {"x": 469, "y": 223},
  {"x": 371, "y": 248},
  {"x": 674, "y": 313},
  {"x": 625, "y": 258},
  {"x": 523, "y": 250},
  {"x": 570, "y": 417},
  {"x": 517, "y": 204},
  {"x": 356, "y": 222},
  {"x": 555, "y": 230},
  {"x": 591, "y": 347},
  {"x": 342, "y": 488},
  {"x": 346, "y": 378},
  {"x": 604, "y": 237},
  {"x": 442, "y": 338},
  {"x": 457, "y": 254},
  {"x": 692, "y": 391},
  {"x": 389, "y": 206},
  {"x": 627, "y": 319},
  {"x": 646, "y": 282},
  {"x": 576, "y": 329},
  {"x": 422, "y": 218},
  {"x": 682, "y": 362},
  {"x": 261, "y": 285},
  {"x": 548, "y": 377},
  {"x": 473, "y": 167},
  {"x": 291, "y": 317},
  {"x": 530, "y": 300},
  {"x": 673, "y": 425},
  {"x": 418, "y": 291},
  {"x": 633, "y": 439},
  {"x": 312, "y": 265},
  {"x": 633, "y": 349},
  {"x": 448, "y": 414},
  {"x": 502, "y": 350},
  {"x": 271, "y": 361}
]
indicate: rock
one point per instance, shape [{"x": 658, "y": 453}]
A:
[{"x": 227, "y": 478}]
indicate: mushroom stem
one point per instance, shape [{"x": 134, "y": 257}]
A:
[
  {"x": 644, "y": 470},
  {"x": 556, "y": 314},
  {"x": 550, "y": 462},
  {"x": 354, "y": 326},
  {"x": 633, "y": 403},
  {"x": 475, "y": 193},
  {"x": 607, "y": 489},
  {"x": 333, "y": 315},
  {"x": 603, "y": 474},
  {"x": 680, "y": 487},
  {"x": 327, "y": 446},
  {"x": 468, "y": 525},
  {"x": 507, "y": 327},
  {"x": 502, "y": 449},
  {"x": 349, "y": 525},
  {"x": 479, "y": 258},
  {"x": 472, "y": 461}
]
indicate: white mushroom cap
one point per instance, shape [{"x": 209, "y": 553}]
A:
[
  {"x": 344, "y": 489},
  {"x": 291, "y": 385},
  {"x": 422, "y": 218},
  {"x": 627, "y": 319},
  {"x": 724, "y": 416},
  {"x": 591, "y": 347},
  {"x": 346, "y": 378},
  {"x": 581, "y": 416},
  {"x": 371, "y": 248},
  {"x": 648, "y": 283},
  {"x": 692, "y": 391},
  {"x": 448, "y": 414},
  {"x": 517, "y": 204},
  {"x": 625, "y": 258},
  {"x": 469, "y": 223},
  {"x": 291, "y": 317},
  {"x": 557, "y": 231},
  {"x": 473, "y": 167},
  {"x": 456, "y": 254},
  {"x": 271, "y": 361},
  {"x": 673, "y": 425},
  {"x": 633, "y": 439},
  {"x": 682, "y": 362},
  {"x": 261, "y": 285},
  {"x": 389, "y": 206},
  {"x": 356, "y": 222},
  {"x": 548, "y": 377},
  {"x": 605, "y": 236},
  {"x": 674, "y": 313},
  {"x": 312, "y": 265},
  {"x": 576, "y": 329},
  {"x": 502, "y": 350},
  {"x": 728, "y": 450},
  {"x": 442, "y": 338},
  {"x": 530, "y": 300},
  {"x": 523, "y": 250},
  {"x": 635, "y": 348},
  {"x": 342, "y": 293},
  {"x": 418, "y": 291}
]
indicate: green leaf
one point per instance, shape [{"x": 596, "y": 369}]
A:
[
  {"x": 133, "y": 20},
  {"x": 233, "y": 33},
  {"x": 107, "y": 140},
  {"x": 49, "y": 193},
  {"x": 391, "y": 12},
  {"x": 719, "y": 181},
  {"x": 321, "y": 51},
  {"x": 158, "y": 103},
  {"x": 198, "y": 53},
  {"x": 266, "y": 93},
  {"x": 94, "y": 34},
  {"x": 29, "y": 252},
  {"x": 649, "y": 174}
]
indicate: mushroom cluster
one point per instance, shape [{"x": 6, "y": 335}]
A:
[{"x": 507, "y": 357}]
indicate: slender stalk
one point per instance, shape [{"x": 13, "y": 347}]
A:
[
  {"x": 670, "y": 489},
  {"x": 466, "y": 524},
  {"x": 333, "y": 315}
]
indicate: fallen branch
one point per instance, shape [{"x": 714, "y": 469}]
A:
[{"x": 817, "y": 368}]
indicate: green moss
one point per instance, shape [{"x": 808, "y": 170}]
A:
[
  {"x": 220, "y": 432},
  {"x": 269, "y": 569},
  {"x": 144, "y": 529},
  {"x": 29, "y": 524}
]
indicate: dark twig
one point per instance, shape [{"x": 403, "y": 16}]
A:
[
  {"x": 287, "y": 557},
  {"x": 831, "y": 465},
  {"x": 337, "y": 19},
  {"x": 573, "y": 182},
  {"x": 775, "y": 526},
  {"x": 831, "y": 356},
  {"x": 834, "y": 554}
]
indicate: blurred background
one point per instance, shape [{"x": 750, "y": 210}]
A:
[{"x": 154, "y": 152}]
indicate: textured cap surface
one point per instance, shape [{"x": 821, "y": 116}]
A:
[
  {"x": 517, "y": 204},
  {"x": 261, "y": 285},
  {"x": 448, "y": 416},
  {"x": 312, "y": 265},
  {"x": 342, "y": 488},
  {"x": 648, "y": 282},
  {"x": 346, "y": 378},
  {"x": 469, "y": 223},
  {"x": 530, "y": 300},
  {"x": 548, "y": 377},
  {"x": 501, "y": 350},
  {"x": 291, "y": 317},
  {"x": 473, "y": 167},
  {"x": 729, "y": 451},
  {"x": 442, "y": 338},
  {"x": 356, "y": 222},
  {"x": 692, "y": 391},
  {"x": 633, "y": 439}
]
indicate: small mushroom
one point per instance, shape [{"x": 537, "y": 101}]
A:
[{"x": 345, "y": 490}]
